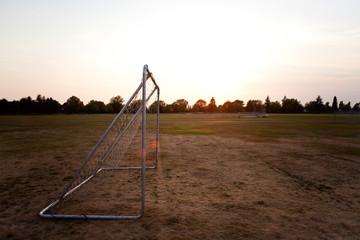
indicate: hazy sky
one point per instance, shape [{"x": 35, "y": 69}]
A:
[{"x": 196, "y": 49}]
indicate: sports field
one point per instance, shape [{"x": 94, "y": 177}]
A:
[{"x": 219, "y": 177}]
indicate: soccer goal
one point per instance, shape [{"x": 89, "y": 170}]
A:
[{"x": 110, "y": 183}]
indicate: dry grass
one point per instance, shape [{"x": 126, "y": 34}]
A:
[{"x": 219, "y": 178}]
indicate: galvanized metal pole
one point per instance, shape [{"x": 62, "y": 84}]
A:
[
  {"x": 157, "y": 128},
  {"x": 143, "y": 162}
]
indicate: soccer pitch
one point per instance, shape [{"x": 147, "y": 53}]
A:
[{"x": 290, "y": 176}]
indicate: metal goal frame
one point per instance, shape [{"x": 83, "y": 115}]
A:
[{"x": 70, "y": 188}]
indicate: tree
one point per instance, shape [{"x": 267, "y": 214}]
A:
[
  {"x": 199, "y": 106},
  {"x": 109, "y": 108},
  {"x": 134, "y": 106},
  {"x": 334, "y": 106},
  {"x": 212, "y": 105},
  {"x": 4, "y": 106},
  {"x": 162, "y": 106},
  {"x": 51, "y": 106},
  {"x": 272, "y": 107},
  {"x": 13, "y": 107},
  {"x": 238, "y": 106},
  {"x": 346, "y": 107},
  {"x": 73, "y": 105},
  {"x": 153, "y": 107},
  {"x": 40, "y": 102},
  {"x": 267, "y": 104},
  {"x": 40, "y": 99},
  {"x": 95, "y": 107},
  {"x": 180, "y": 105},
  {"x": 319, "y": 103},
  {"x": 291, "y": 105},
  {"x": 341, "y": 104},
  {"x": 227, "y": 107},
  {"x": 327, "y": 107},
  {"x": 275, "y": 107},
  {"x": 168, "y": 108},
  {"x": 116, "y": 104},
  {"x": 235, "y": 106},
  {"x": 316, "y": 106},
  {"x": 47, "y": 105},
  {"x": 27, "y": 106},
  {"x": 356, "y": 107},
  {"x": 251, "y": 105}
]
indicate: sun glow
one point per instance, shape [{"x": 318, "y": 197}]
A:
[
  {"x": 220, "y": 51},
  {"x": 197, "y": 49}
]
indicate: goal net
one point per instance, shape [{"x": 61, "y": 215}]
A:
[{"x": 110, "y": 183}]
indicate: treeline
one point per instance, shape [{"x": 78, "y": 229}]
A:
[
  {"x": 42, "y": 105},
  {"x": 287, "y": 105}
]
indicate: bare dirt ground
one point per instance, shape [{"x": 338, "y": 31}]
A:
[{"x": 206, "y": 187}]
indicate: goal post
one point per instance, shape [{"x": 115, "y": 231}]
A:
[{"x": 110, "y": 183}]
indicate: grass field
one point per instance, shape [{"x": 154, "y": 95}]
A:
[{"x": 219, "y": 177}]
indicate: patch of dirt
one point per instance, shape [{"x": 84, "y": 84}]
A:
[{"x": 206, "y": 187}]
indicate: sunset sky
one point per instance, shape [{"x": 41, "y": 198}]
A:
[{"x": 196, "y": 49}]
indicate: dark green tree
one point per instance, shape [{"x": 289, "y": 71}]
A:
[
  {"x": 341, "y": 104},
  {"x": 115, "y": 105},
  {"x": 40, "y": 103},
  {"x": 180, "y": 105},
  {"x": 275, "y": 107},
  {"x": 238, "y": 106},
  {"x": 47, "y": 105},
  {"x": 14, "y": 107},
  {"x": 334, "y": 106},
  {"x": 291, "y": 105},
  {"x": 346, "y": 107},
  {"x": 168, "y": 108},
  {"x": 162, "y": 106},
  {"x": 153, "y": 107},
  {"x": 235, "y": 106},
  {"x": 268, "y": 104},
  {"x": 28, "y": 106},
  {"x": 356, "y": 107},
  {"x": 134, "y": 106},
  {"x": 4, "y": 106},
  {"x": 73, "y": 105},
  {"x": 95, "y": 107},
  {"x": 109, "y": 108},
  {"x": 327, "y": 107},
  {"x": 316, "y": 106},
  {"x": 51, "y": 106},
  {"x": 251, "y": 105}
]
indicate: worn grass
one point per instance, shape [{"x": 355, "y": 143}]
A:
[{"x": 220, "y": 177}]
